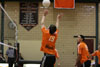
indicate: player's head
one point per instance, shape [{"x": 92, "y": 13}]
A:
[
  {"x": 81, "y": 38},
  {"x": 52, "y": 29},
  {"x": 10, "y": 44}
]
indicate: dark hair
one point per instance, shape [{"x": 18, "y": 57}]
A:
[
  {"x": 82, "y": 37},
  {"x": 52, "y": 29},
  {"x": 10, "y": 44}
]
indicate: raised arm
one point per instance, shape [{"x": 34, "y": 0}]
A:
[
  {"x": 43, "y": 17},
  {"x": 58, "y": 18}
]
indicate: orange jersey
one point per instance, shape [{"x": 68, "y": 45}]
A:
[
  {"x": 48, "y": 41},
  {"x": 83, "y": 51},
  {"x": 97, "y": 53}
]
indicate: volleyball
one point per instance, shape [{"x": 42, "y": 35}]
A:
[{"x": 46, "y": 3}]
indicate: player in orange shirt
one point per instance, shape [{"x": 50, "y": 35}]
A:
[
  {"x": 97, "y": 53},
  {"x": 83, "y": 53},
  {"x": 49, "y": 37}
]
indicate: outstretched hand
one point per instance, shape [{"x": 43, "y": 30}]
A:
[
  {"x": 58, "y": 65},
  {"x": 59, "y": 16},
  {"x": 45, "y": 12}
]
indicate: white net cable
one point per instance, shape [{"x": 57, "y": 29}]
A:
[
  {"x": 16, "y": 29},
  {"x": 7, "y": 45}
]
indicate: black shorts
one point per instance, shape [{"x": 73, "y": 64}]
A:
[
  {"x": 48, "y": 60},
  {"x": 87, "y": 63}
]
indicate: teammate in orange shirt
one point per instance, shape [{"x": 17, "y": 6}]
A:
[
  {"x": 49, "y": 37},
  {"x": 83, "y": 53},
  {"x": 97, "y": 53}
]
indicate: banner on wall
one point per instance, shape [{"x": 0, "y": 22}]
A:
[
  {"x": 67, "y": 4},
  {"x": 28, "y": 15}
]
